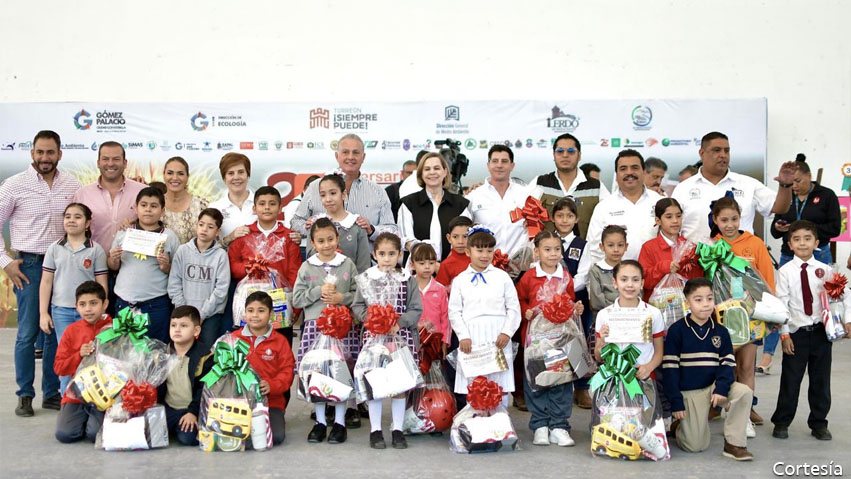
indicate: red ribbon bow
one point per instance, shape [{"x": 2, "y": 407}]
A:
[
  {"x": 137, "y": 398},
  {"x": 835, "y": 287},
  {"x": 256, "y": 266},
  {"x": 484, "y": 395},
  {"x": 431, "y": 348},
  {"x": 535, "y": 215},
  {"x": 688, "y": 261},
  {"x": 559, "y": 309},
  {"x": 500, "y": 260},
  {"x": 335, "y": 321},
  {"x": 380, "y": 318}
]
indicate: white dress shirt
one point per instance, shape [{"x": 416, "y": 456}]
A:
[
  {"x": 492, "y": 210},
  {"x": 234, "y": 216},
  {"x": 696, "y": 193},
  {"x": 790, "y": 291},
  {"x": 638, "y": 218},
  {"x": 658, "y": 329}
]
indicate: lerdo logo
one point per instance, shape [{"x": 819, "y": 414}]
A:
[
  {"x": 199, "y": 122},
  {"x": 82, "y": 120}
]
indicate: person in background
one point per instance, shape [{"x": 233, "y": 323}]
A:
[
  {"x": 34, "y": 202},
  {"x": 813, "y": 202},
  {"x": 590, "y": 170},
  {"x": 655, "y": 171},
  {"x": 392, "y": 190},
  {"x": 687, "y": 172},
  {"x": 181, "y": 208},
  {"x": 289, "y": 210}
]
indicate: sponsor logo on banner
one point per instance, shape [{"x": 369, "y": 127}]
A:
[
  {"x": 616, "y": 142},
  {"x": 529, "y": 143},
  {"x": 82, "y": 120},
  {"x": 470, "y": 144},
  {"x": 94, "y": 146},
  {"x": 518, "y": 144},
  {"x": 224, "y": 146},
  {"x": 334, "y": 144},
  {"x": 133, "y": 145},
  {"x": 604, "y": 142},
  {"x": 295, "y": 145},
  {"x": 263, "y": 145},
  {"x": 507, "y": 143},
  {"x": 229, "y": 121},
  {"x": 207, "y": 146},
  {"x": 74, "y": 146},
  {"x": 320, "y": 118},
  {"x": 110, "y": 121},
  {"x": 279, "y": 144},
  {"x": 164, "y": 146},
  {"x": 246, "y": 145},
  {"x": 542, "y": 143},
  {"x": 562, "y": 122},
  {"x": 370, "y": 144},
  {"x": 317, "y": 145},
  {"x": 25, "y": 145},
  {"x": 391, "y": 145},
  {"x": 199, "y": 122},
  {"x": 670, "y": 142},
  {"x": 353, "y": 118},
  {"x": 651, "y": 142},
  {"x": 6, "y": 146},
  {"x": 452, "y": 113},
  {"x": 152, "y": 145},
  {"x": 406, "y": 144},
  {"x": 191, "y": 146},
  {"x": 633, "y": 144},
  {"x": 642, "y": 115},
  {"x": 483, "y": 143},
  {"x": 178, "y": 146}
]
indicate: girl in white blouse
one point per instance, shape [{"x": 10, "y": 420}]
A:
[{"x": 483, "y": 308}]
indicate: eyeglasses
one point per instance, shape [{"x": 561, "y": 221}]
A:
[{"x": 569, "y": 151}]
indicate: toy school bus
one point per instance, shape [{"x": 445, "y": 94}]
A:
[
  {"x": 607, "y": 441},
  {"x": 96, "y": 389},
  {"x": 229, "y": 417}
]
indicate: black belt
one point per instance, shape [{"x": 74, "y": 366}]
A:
[
  {"x": 24, "y": 253},
  {"x": 811, "y": 327}
]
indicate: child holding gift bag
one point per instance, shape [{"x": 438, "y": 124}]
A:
[
  {"x": 801, "y": 283},
  {"x": 601, "y": 288},
  {"x": 550, "y": 407},
  {"x": 484, "y": 309},
  {"x": 435, "y": 316},
  {"x": 327, "y": 278},
  {"x": 387, "y": 250},
  {"x": 726, "y": 216},
  {"x": 270, "y": 356},
  {"x": 352, "y": 239}
]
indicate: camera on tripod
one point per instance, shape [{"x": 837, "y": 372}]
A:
[{"x": 450, "y": 150}]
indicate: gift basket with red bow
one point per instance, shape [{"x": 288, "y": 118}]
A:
[
  {"x": 833, "y": 298},
  {"x": 484, "y": 424},
  {"x": 386, "y": 366},
  {"x": 668, "y": 294},
  {"x": 556, "y": 350},
  {"x": 535, "y": 215},
  {"x": 323, "y": 372},
  {"x": 261, "y": 276},
  {"x": 430, "y": 408}
]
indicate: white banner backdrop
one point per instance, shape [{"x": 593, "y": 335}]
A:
[{"x": 289, "y": 141}]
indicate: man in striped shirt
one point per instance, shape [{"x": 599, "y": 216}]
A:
[
  {"x": 33, "y": 202},
  {"x": 366, "y": 198}
]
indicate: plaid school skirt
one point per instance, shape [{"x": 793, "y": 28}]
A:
[{"x": 309, "y": 333}]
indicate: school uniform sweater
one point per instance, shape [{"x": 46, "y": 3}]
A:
[
  {"x": 68, "y": 357},
  {"x": 307, "y": 290},
  {"x": 530, "y": 284},
  {"x": 695, "y": 358},
  {"x": 272, "y": 359},
  {"x": 199, "y": 365},
  {"x": 451, "y": 267}
]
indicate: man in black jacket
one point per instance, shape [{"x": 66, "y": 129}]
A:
[{"x": 392, "y": 190}]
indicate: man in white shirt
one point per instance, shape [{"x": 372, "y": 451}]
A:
[
  {"x": 491, "y": 203},
  {"x": 714, "y": 179},
  {"x": 631, "y": 207}
]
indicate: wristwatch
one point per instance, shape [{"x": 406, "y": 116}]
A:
[{"x": 785, "y": 185}]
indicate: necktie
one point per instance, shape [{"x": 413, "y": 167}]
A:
[{"x": 805, "y": 288}]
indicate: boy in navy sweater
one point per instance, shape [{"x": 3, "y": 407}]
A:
[{"x": 699, "y": 365}]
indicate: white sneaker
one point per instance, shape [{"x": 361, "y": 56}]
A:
[
  {"x": 542, "y": 437},
  {"x": 750, "y": 432},
  {"x": 561, "y": 437}
]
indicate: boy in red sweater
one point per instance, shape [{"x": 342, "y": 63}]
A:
[
  {"x": 271, "y": 357},
  {"x": 77, "y": 420},
  {"x": 267, "y": 207},
  {"x": 457, "y": 261}
]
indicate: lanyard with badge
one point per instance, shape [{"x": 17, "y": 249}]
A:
[{"x": 800, "y": 210}]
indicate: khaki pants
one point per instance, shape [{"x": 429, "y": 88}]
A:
[{"x": 693, "y": 433}]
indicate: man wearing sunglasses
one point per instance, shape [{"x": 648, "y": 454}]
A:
[{"x": 569, "y": 180}]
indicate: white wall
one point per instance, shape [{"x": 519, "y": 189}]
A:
[{"x": 795, "y": 53}]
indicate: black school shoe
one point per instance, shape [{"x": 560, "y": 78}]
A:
[
  {"x": 376, "y": 440},
  {"x": 317, "y": 434},
  {"x": 352, "y": 419},
  {"x": 399, "y": 441},
  {"x": 780, "y": 432},
  {"x": 25, "y": 406},
  {"x": 53, "y": 402},
  {"x": 822, "y": 434},
  {"x": 338, "y": 434}
]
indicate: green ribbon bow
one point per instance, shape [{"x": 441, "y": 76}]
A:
[
  {"x": 233, "y": 359},
  {"x": 620, "y": 366},
  {"x": 711, "y": 257},
  {"x": 128, "y": 323}
]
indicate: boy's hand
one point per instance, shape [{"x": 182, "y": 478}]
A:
[
  {"x": 364, "y": 223},
  {"x": 45, "y": 323},
  {"x": 644, "y": 371},
  {"x": 164, "y": 261},
  {"x": 264, "y": 387},
  {"x": 188, "y": 422},
  {"x": 788, "y": 346},
  {"x": 465, "y": 345},
  {"x": 674, "y": 267},
  {"x": 87, "y": 349},
  {"x": 579, "y": 308},
  {"x": 502, "y": 340},
  {"x": 115, "y": 253},
  {"x": 679, "y": 415},
  {"x": 530, "y": 313},
  {"x": 295, "y": 237},
  {"x": 604, "y": 332},
  {"x": 718, "y": 400}
]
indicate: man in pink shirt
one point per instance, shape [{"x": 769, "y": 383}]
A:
[
  {"x": 112, "y": 199},
  {"x": 33, "y": 202}
]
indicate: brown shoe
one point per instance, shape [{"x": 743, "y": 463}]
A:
[
  {"x": 756, "y": 419},
  {"x": 737, "y": 453},
  {"x": 714, "y": 413},
  {"x": 582, "y": 399},
  {"x": 520, "y": 403}
]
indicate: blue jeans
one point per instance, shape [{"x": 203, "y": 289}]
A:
[
  {"x": 211, "y": 329},
  {"x": 226, "y": 324},
  {"x": 28, "y": 317},
  {"x": 62, "y": 318},
  {"x": 550, "y": 407},
  {"x": 159, "y": 315}
]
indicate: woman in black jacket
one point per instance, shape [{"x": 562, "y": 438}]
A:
[{"x": 425, "y": 215}]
